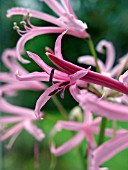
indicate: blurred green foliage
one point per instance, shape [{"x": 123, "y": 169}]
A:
[{"x": 106, "y": 19}]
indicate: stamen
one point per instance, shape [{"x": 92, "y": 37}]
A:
[
  {"x": 23, "y": 22},
  {"x": 51, "y": 75},
  {"x": 15, "y": 27}
]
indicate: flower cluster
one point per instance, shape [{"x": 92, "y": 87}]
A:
[{"x": 103, "y": 94}]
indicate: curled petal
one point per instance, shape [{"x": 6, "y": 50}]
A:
[
  {"x": 110, "y": 53},
  {"x": 30, "y": 35},
  {"x": 36, "y": 14},
  {"x": 57, "y": 49}
]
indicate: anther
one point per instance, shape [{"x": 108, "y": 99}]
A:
[
  {"x": 51, "y": 75},
  {"x": 23, "y": 23},
  {"x": 15, "y": 27}
]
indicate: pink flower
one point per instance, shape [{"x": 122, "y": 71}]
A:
[
  {"x": 12, "y": 85},
  {"x": 85, "y": 129},
  {"x": 63, "y": 80},
  {"x": 66, "y": 20},
  {"x": 106, "y": 69},
  {"x": 68, "y": 77},
  {"x": 23, "y": 118}
]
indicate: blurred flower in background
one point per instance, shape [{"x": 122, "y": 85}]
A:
[{"x": 105, "y": 20}]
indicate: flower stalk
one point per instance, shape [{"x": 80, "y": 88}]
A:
[{"x": 92, "y": 49}]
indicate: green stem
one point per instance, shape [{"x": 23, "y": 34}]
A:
[
  {"x": 60, "y": 107},
  {"x": 102, "y": 130},
  {"x": 91, "y": 46}
]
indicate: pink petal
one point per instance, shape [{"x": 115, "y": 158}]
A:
[
  {"x": 70, "y": 125},
  {"x": 9, "y": 108},
  {"x": 30, "y": 35},
  {"x": 124, "y": 78},
  {"x": 57, "y": 74},
  {"x": 55, "y": 6},
  {"x": 36, "y": 14},
  {"x": 91, "y": 77},
  {"x": 10, "y": 119},
  {"x": 74, "y": 90},
  {"x": 44, "y": 98},
  {"x": 89, "y": 60},
  {"x": 57, "y": 49},
  {"x": 68, "y": 8},
  {"x": 34, "y": 130},
  {"x": 110, "y": 148},
  {"x": 68, "y": 145},
  {"x": 35, "y": 76},
  {"x": 110, "y": 53},
  {"x": 78, "y": 75},
  {"x": 106, "y": 109},
  {"x": 12, "y": 131}
]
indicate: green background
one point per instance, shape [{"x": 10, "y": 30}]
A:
[{"x": 106, "y": 19}]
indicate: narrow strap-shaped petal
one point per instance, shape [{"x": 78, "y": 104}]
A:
[
  {"x": 70, "y": 125},
  {"x": 57, "y": 49},
  {"x": 7, "y": 77},
  {"x": 124, "y": 78},
  {"x": 31, "y": 34},
  {"x": 68, "y": 8},
  {"x": 89, "y": 60},
  {"x": 91, "y": 77},
  {"x": 55, "y": 6},
  {"x": 74, "y": 90},
  {"x": 36, "y": 14},
  {"x": 9, "y": 108},
  {"x": 68, "y": 145},
  {"x": 34, "y": 76},
  {"x": 106, "y": 109},
  {"x": 78, "y": 75},
  {"x": 110, "y": 148},
  {"x": 110, "y": 53},
  {"x": 40, "y": 62},
  {"x": 9, "y": 59},
  {"x": 34, "y": 130},
  {"x": 10, "y": 119},
  {"x": 123, "y": 61},
  {"x": 44, "y": 98},
  {"x": 16, "y": 86},
  {"x": 57, "y": 74},
  {"x": 12, "y": 131}
]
